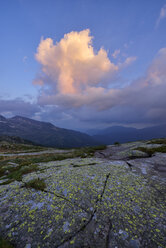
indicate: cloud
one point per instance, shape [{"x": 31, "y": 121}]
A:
[
  {"x": 80, "y": 83},
  {"x": 73, "y": 73},
  {"x": 157, "y": 71},
  {"x": 116, "y": 53},
  {"x": 128, "y": 61},
  {"x": 71, "y": 64},
  {"x": 143, "y": 101},
  {"x": 161, "y": 16},
  {"x": 18, "y": 107},
  {"x": 24, "y": 59}
]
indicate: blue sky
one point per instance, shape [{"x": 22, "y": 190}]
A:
[{"x": 134, "y": 29}]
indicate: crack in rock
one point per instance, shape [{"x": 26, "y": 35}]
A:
[
  {"x": 82, "y": 228},
  {"x": 73, "y": 203}
]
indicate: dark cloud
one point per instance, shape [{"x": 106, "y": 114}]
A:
[{"x": 18, "y": 107}]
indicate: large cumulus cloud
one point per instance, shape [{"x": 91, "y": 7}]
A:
[
  {"x": 74, "y": 73},
  {"x": 72, "y": 64}
]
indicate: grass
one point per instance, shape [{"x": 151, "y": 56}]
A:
[
  {"x": 4, "y": 243},
  {"x": 28, "y": 163},
  {"x": 158, "y": 141},
  {"x": 79, "y": 152},
  {"x": 38, "y": 184},
  {"x": 7, "y": 148},
  {"x": 151, "y": 151},
  {"x": 16, "y": 173},
  {"x": 88, "y": 151},
  {"x": 117, "y": 143},
  {"x": 80, "y": 165},
  {"x": 7, "y": 182}
]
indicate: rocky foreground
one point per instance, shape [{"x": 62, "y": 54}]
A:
[{"x": 114, "y": 199}]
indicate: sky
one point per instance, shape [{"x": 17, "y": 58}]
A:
[{"x": 84, "y": 64}]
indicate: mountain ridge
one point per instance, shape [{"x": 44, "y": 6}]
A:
[
  {"x": 128, "y": 134},
  {"x": 44, "y": 133}
]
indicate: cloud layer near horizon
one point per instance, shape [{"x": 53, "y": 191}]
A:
[{"x": 18, "y": 106}]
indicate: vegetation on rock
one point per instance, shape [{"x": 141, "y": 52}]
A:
[
  {"x": 151, "y": 151},
  {"x": 38, "y": 184}
]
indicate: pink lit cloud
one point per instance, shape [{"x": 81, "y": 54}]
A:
[
  {"x": 71, "y": 64},
  {"x": 73, "y": 67}
]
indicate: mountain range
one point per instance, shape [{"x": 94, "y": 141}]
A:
[
  {"x": 126, "y": 134},
  {"x": 44, "y": 133}
]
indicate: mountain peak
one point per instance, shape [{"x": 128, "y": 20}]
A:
[
  {"x": 2, "y": 118},
  {"x": 18, "y": 117}
]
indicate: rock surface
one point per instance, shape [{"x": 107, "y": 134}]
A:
[{"x": 104, "y": 201}]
